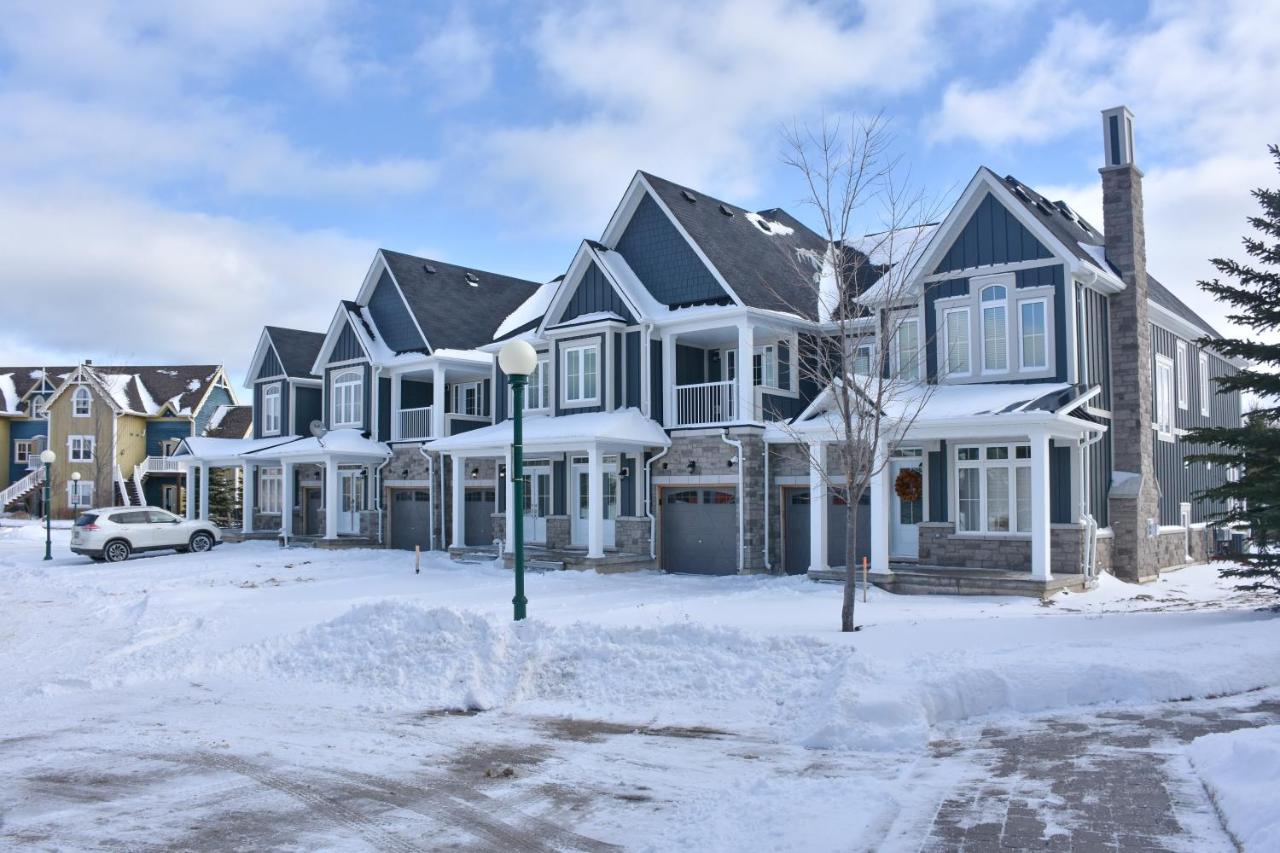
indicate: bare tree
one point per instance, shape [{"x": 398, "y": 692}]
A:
[{"x": 869, "y": 351}]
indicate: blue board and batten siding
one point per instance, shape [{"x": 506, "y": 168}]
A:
[
  {"x": 307, "y": 407},
  {"x": 218, "y": 396},
  {"x": 158, "y": 432},
  {"x": 392, "y": 317},
  {"x": 259, "y": 412},
  {"x": 347, "y": 347},
  {"x": 23, "y": 430},
  {"x": 992, "y": 235},
  {"x": 271, "y": 367},
  {"x": 633, "y": 395},
  {"x": 366, "y": 389},
  {"x": 663, "y": 260},
  {"x": 594, "y": 294}
]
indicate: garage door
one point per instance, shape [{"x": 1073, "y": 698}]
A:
[
  {"x": 700, "y": 530},
  {"x": 796, "y": 504},
  {"x": 410, "y": 519},
  {"x": 481, "y": 505}
]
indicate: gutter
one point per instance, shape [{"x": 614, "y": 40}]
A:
[
  {"x": 741, "y": 498},
  {"x": 768, "y": 564},
  {"x": 648, "y": 502}
]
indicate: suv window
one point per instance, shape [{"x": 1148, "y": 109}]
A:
[
  {"x": 130, "y": 518},
  {"x": 85, "y": 519},
  {"x": 159, "y": 516}
]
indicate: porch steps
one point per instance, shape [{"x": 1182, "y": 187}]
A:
[{"x": 912, "y": 579}]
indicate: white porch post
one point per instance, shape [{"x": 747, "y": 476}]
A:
[
  {"x": 396, "y": 381},
  {"x": 437, "y": 401},
  {"x": 191, "y": 490},
  {"x": 669, "y": 379},
  {"x": 204, "y": 492},
  {"x": 330, "y": 499},
  {"x": 510, "y": 536},
  {"x": 1040, "y": 544},
  {"x": 595, "y": 502},
  {"x": 458, "y": 539},
  {"x": 286, "y": 500},
  {"x": 880, "y": 511},
  {"x": 246, "y": 497},
  {"x": 746, "y": 408},
  {"x": 817, "y": 508},
  {"x": 1077, "y": 503}
]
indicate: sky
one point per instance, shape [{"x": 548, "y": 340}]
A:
[{"x": 173, "y": 177}]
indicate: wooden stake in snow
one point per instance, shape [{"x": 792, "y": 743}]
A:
[
  {"x": 417, "y": 559},
  {"x": 864, "y": 580}
]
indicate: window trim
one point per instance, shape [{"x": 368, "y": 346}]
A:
[
  {"x": 983, "y": 307},
  {"x": 1164, "y": 402},
  {"x": 1183, "y": 378},
  {"x": 270, "y": 491},
  {"x": 26, "y": 447},
  {"x": 40, "y": 407},
  {"x": 581, "y": 349},
  {"x": 1205, "y": 384},
  {"x": 458, "y": 391},
  {"x": 896, "y": 352},
  {"x": 80, "y": 493},
  {"x": 271, "y": 397},
  {"x": 1023, "y": 367},
  {"x": 76, "y": 448},
  {"x": 1012, "y": 463},
  {"x": 968, "y": 342},
  {"x": 354, "y": 398},
  {"x": 82, "y": 394}
]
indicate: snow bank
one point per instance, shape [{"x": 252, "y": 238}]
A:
[{"x": 1241, "y": 770}]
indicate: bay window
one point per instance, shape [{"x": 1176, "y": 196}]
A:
[
  {"x": 995, "y": 332},
  {"x": 993, "y": 489},
  {"x": 581, "y": 374},
  {"x": 1033, "y": 331},
  {"x": 956, "y": 341}
]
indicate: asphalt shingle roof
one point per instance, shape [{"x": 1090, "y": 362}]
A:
[
  {"x": 184, "y": 384},
  {"x": 231, "y": 422},
  {"x": 297, "y": 349}
]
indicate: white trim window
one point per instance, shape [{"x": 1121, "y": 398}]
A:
[
  {"x": 582, "y": 374},
  {"x": 23, "y": 450},
  {"x": 1033, "y": 333},
  {"x": 82, "y": 402},
  {"x": 468, "y": 399},
  {"x": 861, "y": 360},
  {"x": 1164, "y": 398},
  {"x": 906, "y": 349},
  {"x": 994, "y": 299},
  {"x": 1204, "y": 384},
  {"x": 80, "y": 448},
  {"x": 993, "y": 489},
  {"x": 764, "y": 366},
  {"x": 1184, "y": 376},
  {"x": 347, "y": 394},
  {"x": 270, "y": 491},
  {"x": 39, "y": 408},
  {"x": 271, "y": 409},
  {"x": 537, "y": 395},
  {"x": 955, "y": 335},
  {"x": 80, "y": 493}
]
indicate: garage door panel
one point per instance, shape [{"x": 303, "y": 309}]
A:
[
  {"x": 797, "y": 557},
  {"x": 700, "y": 530},
  {"x": 410, "y": 518},
  {"x": 480, "y": 507}
]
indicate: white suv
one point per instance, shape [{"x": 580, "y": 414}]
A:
[{"x": 113, "y": 533}]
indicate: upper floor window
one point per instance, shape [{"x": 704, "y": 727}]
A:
[
  {"x": 581, "y": 369},
  {"x": 1033, "y": 329},
  {"x": 23, "y": 450},
  {"x": 468, "y": 399},
  {"x": 39, "y": 408},
  {"x": 82, "y": 402},
  {"x": 765, "y": 366},
  {"x": 1204, "y": 384},
  {"x": 1164, "y": 398},
  {"x": 80, "y": 448},
  {"x": 862, "y": 360},
  {"x": 1184, "y": 375},
  {"x": 271, "y": 409},
  {"x": 995, "y": 329},
  {"x": 906, "y": 349},
  {"x": 537, "y": 394},
  {"x": 348, "y": 399},
  {"x": 956, "y": 341}
]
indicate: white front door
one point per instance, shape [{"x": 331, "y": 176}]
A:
[
  {"x": 537, "y": 502},
  {"x": 904, "y": 516},
  {"x": 580, "y": 501},
  {"x": 350, "y": 500}
]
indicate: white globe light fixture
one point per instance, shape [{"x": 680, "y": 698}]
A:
[
  {"x": 517, "y": 358},
  {"x": 48, "y": 457}
]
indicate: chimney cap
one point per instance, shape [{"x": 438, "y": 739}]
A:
[{"x": 1117, "y": 138}]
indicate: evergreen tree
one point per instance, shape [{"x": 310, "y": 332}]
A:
[
  {"x": 1253, "y": 500},
  {"x": 224, "y": 497}
]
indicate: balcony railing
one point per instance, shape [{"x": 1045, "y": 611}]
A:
[
  {"x": 413, "y": 424},
  {"x": 706, "y": 403},
  {"x": 162, "y": 465}
]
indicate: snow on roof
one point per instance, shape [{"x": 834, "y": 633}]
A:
[
  {"x": 900, "y": 247},
  {"x": 203, "y": 447},
  {"x": 769, "y": 226},
  {"x": 8, "y": 392},
  {"x": 621, "y": 271},
  {"x": 624, "y": 426},
  {"x": 36, "y": 374},
  {"x": 1098, "y": 253},
  {"x": 148, "y": 402},
  {"x": 531, "y": 309},
  {"x": 335, "y": 442},
  {"x": 592, "y": 317},
  {"x": 117, "y": 387}
]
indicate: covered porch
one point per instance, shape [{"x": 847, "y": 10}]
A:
[{"x": 439, "y": 395}]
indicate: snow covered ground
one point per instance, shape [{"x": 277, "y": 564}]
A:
[
  {"x": 1241, "y": 769},
  {"x": 244, "y": 697}
]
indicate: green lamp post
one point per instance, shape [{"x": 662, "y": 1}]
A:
[
  {"x": 47, "y": 458},
  {"x": 518, "y": 360},
  {"x": 75, "y": 504}
]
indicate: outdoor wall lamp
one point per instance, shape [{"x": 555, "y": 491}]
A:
[
  {"x": 733, "y": 460},
  {"x": 475, "y": 472},
  {"x": 693, "y": 465}
]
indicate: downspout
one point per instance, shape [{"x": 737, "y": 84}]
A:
[
  {"x": 648, "y": 502},
  {"x": 737, "y": 442},
  {"x": 768, "y": 564},
  {"x": 378, "y": 475},
  {"x": 1091, "y": 524},
  {"x": 431, "y": 480}
]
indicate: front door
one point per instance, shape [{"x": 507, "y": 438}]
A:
[
  {"x": 537, "y": 502},
  {"x": 350, "y": 500},
  {"x": 612, "y": 500},
  {"x": 904, "y": 516},
  {"x": 169, "y": 498},
  {"x": 312, "y": 523}
]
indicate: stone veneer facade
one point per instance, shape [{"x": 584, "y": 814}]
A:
[{"x": 940, "y": 545}]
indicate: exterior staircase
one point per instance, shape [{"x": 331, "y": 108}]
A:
[
  {"x": 126, "y": 493},
  {"x": 22, "y": 488}
]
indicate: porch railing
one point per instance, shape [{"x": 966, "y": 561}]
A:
[
  {"x": 161, "y": 465},
  {"x": 22, "y": 487},
  {"x": 706, "y": 403},
  {"x": 413, "y": 423}
]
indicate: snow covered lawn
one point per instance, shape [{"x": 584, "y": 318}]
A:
[
  {"x": 1241, "y": 769},
  {"x": 664, "y": 710}
]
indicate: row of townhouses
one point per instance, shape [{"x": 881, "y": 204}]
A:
[
  {"x": 116, "y": 427},
  {"x": 668, "y": 423}
]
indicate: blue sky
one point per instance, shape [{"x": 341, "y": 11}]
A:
[{"x": 172, "y": 179}]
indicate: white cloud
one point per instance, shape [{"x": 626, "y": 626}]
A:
[{"x": 456, "y": 59}]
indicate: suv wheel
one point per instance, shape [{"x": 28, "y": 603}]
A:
[
  {"x": 117, "y": 551},
  {"x": 200, "y": 542}
]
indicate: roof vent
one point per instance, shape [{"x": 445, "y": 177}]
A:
[
  {"x": 428, "y": 269},
  {"x": 763, "y": 225},
  {"x": 472, "y": 279},
  {"x": 1043, "y": 208},
  {"x": 688, "y": 196},
  {"x": 725, "y": 210}
]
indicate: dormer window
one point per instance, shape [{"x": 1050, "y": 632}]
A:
[
  {"x": 82, "y": 402},
  {"x": 347, "y": 394},
  {"x": 271, "y": 409},
  {"x": 581, "y": 374},
  {"x": 995, "y": 329},
  {"x": 38, "y": 407}
]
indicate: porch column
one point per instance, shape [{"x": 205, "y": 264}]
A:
[
  {"x": 246, "y": 497},
  {"x": 191, "y": 490},
  {"x": 286, "y": 500},
  {"x": 458, "y": 539},
  {"x": 509, "y": 537},
  {"x": 204, "y": 492},
  {"x": 595, "y": 502},
  {"x": 396, "y": 381},
  {"x": 669, "y": 379},
  {"x": 746, "y": 409},
  {"x": 330, "y": 499},
  {"x": 817, "y": 508},
  {"x": 1040, "y": 506},
  {"x": 880, "y": 488},
  {"x": 437, "y": 401}
]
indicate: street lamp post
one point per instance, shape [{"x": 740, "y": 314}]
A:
[
  {"x": 518, "y": 360},
  {"x": 75, "y": 504},
  {"x": 48, "y": 457}
]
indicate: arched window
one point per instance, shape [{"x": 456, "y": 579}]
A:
[
  {"x": 82, "y": 402},
  {"x": 38, "y": 409},
  {"x": 995, "y": 329},
  {"x": 348, "y": 399},
  {"x": 271, "y": 409}
]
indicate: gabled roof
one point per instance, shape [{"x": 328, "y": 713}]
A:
[
  {"x": 456, "y": 307},
  {"x": 296, "y": 349},
  {"x": 151, "y": 390},
  {"x": 230, "y": 422},
  {"x": 17, "y": 382},
  {"x": 763, "y": 255}
]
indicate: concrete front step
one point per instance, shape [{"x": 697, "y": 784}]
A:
[{"x": 958, "y": 580}]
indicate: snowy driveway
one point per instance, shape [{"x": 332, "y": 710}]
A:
[{"x": 255, "y": 698}]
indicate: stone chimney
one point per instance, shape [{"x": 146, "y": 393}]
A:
[{"x": 1134, "y": 501}]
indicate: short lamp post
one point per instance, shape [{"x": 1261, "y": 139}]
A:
[
  {"x": 518, "y": 360},
  {"x": 75, "y": 498},
  {"x": 48, "y": 457}
]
